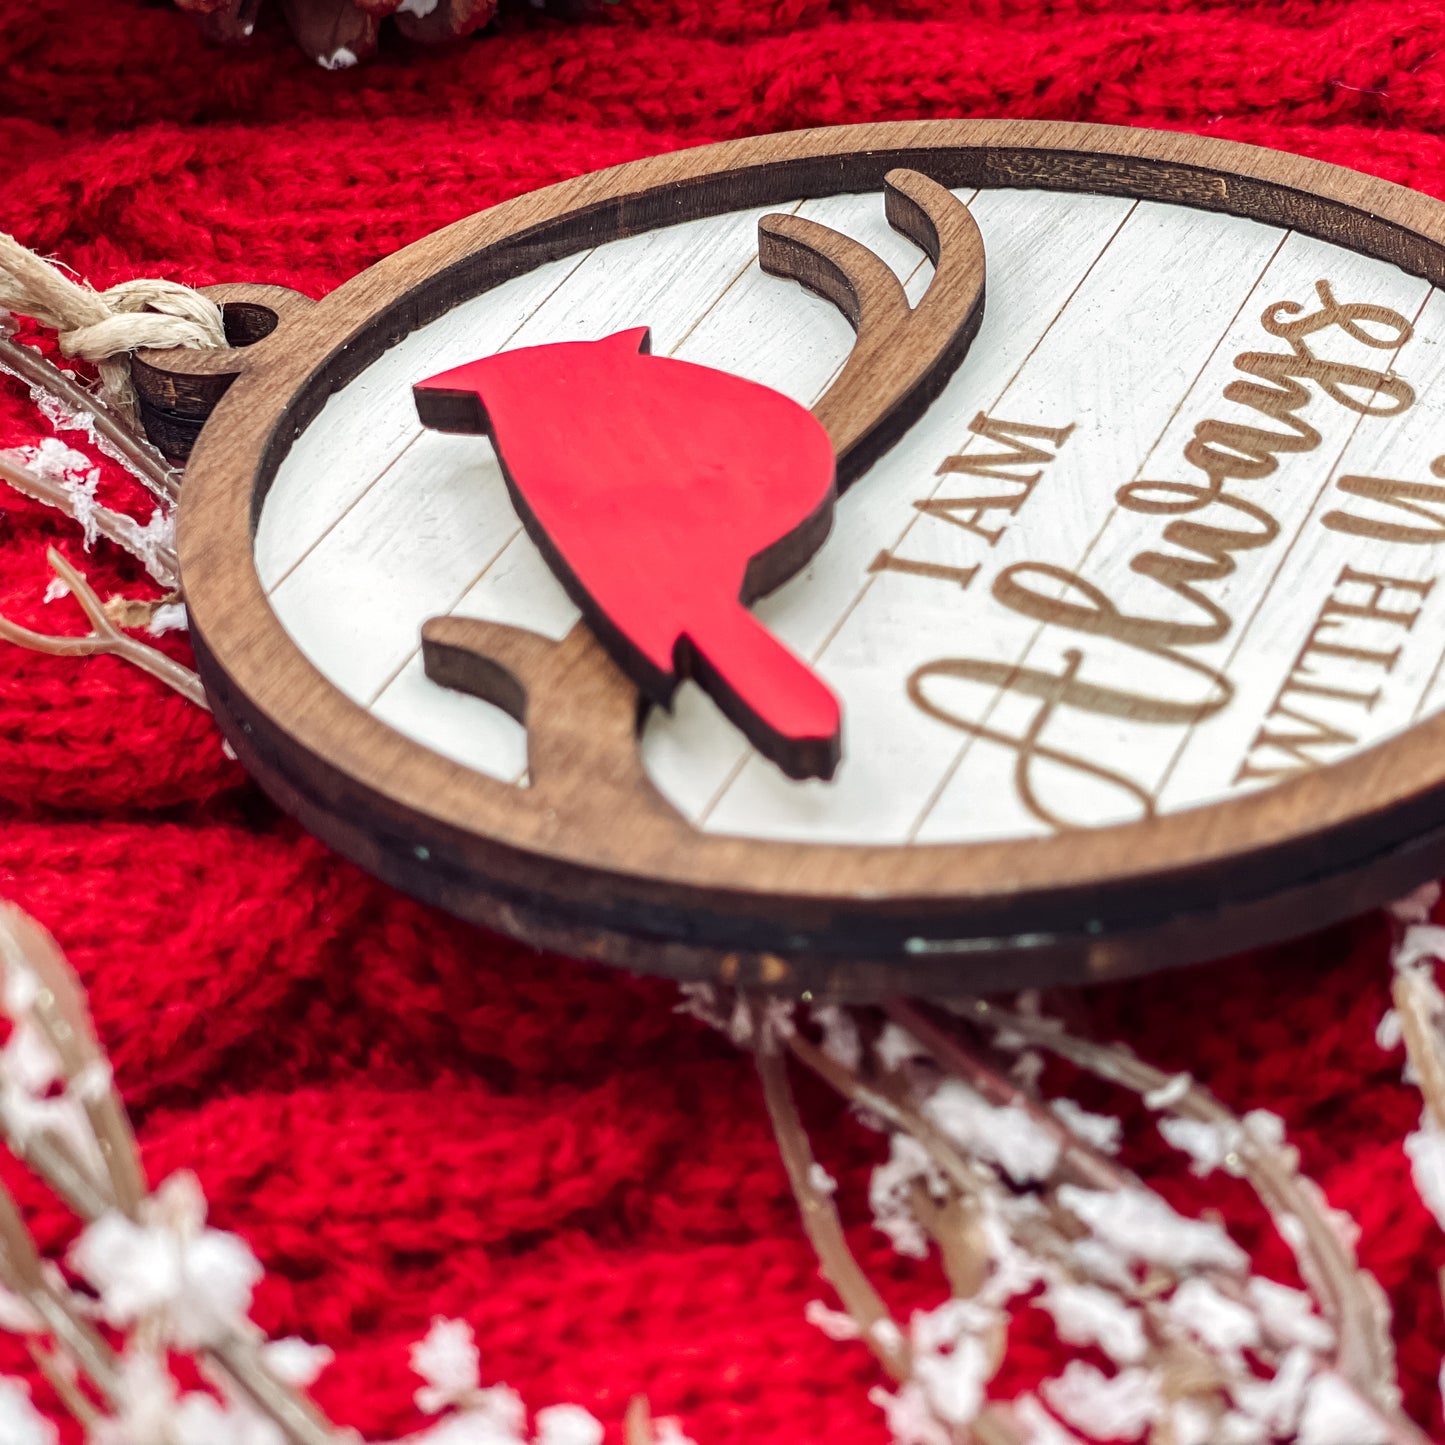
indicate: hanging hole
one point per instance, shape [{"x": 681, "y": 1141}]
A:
[{"x": 247, "y": 322}]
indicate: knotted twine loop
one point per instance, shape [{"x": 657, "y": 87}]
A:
[{"x": 104, "y": 327}]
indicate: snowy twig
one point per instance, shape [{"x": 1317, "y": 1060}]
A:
[
  {"x": 85, "y": 410},
  {"x": 1414, "y": 999},
  {"x": 105, "y": 638},
  {"x": 1026, "y": 1207},
  {"x": 967, "y": 1266},
  {"x": 1079, "y": 1162},
  {"x": 1350, "y": 1298},
  {"x": 876, "y": 1326},
  {"x": 56, "y": 1369},
  {"x": 54, "y": 1311},
  {"x": 41, "y": 991},
  {"x": 1418, "y": 1021},
  {"x": 157, "y": 1270},
  {"x": 953, "y": 1225},
  {"x": 158, "y": 558},
  {"x": 962, "y": 1173},
  {"x": 58, "y": 1010},
  {"x": 299, "y": 1419},
  {"x": 637, "y": 1423}
]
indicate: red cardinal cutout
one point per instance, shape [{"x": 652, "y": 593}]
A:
[{"x": 665, "y": 496}]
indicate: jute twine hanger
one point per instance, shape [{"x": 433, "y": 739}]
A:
[{"x": 104, "y": 327}]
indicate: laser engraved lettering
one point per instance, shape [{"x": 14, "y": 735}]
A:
[
  {"x": 1204, "y": 690},
  {"x": 1213, "y": 522},
  {"x": 1416, "y": 498},
  {"x": 939, "y": 571},
  {"x": 1340, "y": 651},
  {"x": 970, "y": 512}
]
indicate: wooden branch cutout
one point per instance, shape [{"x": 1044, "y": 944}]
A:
[
  {"x": 666, "y": 496},
  {"x": 904, "y": 355},
  {"x": 580, "y": 713}
]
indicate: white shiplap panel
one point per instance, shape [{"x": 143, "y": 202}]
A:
[
  {"x": 772, "y": 331},
  {"x": 363, "y": 429},
  {"x": 1039, "y": 248},
  {"x": 1128, "y": 342},
  {"x": 664, "y": 279},
  {"x": 1279, "y": 619},
  {"x": 518, "y": 589},
  {"x": 981, "y": 795},
  {"x": 408, "y": 549}
]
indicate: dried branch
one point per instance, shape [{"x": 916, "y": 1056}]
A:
[
  {"x": 64, "y": 1021},
  {"x": 62, "y": 1171},
  {"x": 963, "y": 1174},
  {"x": 953, "y": 1226},
  {"x": 841, "y": 1269},
  {"x": 1414, "y": 998},
  {"x": 1079, "y": 1162},
  {"x": 299, "y": 1419},
  {"x": 1365, "y": 1354},
  {"x": 1419, "y": 1008},
  {"x": 58, "y": 1010},
  {"x": 947, "y": 1223},
  {"x": 21, "y": 1269},
  {"x": 637, "y": 1423},
  {"x": 19, "y": 1262},
  {"x": 105, "y": 638},
  {"x": 60, "y": 1379},
  {"x": 90, "y": 411}
]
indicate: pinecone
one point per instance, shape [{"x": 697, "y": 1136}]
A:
[{"x": 338, "y": 33}]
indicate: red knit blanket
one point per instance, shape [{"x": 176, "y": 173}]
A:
[{"x": 406, "y": 1117}]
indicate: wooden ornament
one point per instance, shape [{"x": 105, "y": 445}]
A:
[{"x": 1133, "y": 609}]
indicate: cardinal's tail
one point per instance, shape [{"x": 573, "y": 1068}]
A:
[{"x": 784, "y": 707}]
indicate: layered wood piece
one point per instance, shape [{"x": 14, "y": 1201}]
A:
[
  {"x": 1112, "y": 332},
  {"x": 1137, "y": 622},
  {"x": 666, "y": 496}
]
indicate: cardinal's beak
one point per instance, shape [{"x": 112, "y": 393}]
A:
[{"x": 447, "y": 402}]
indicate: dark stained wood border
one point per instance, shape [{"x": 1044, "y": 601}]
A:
[{"x": 852, "y": 919}]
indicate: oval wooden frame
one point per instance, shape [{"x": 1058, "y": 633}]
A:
[{"x": 794, "y": 917}]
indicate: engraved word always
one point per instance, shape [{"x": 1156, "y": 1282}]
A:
[{"x": 1208, "y": 522}]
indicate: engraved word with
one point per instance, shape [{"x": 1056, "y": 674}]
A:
[{"x": 1361, "y": 609}]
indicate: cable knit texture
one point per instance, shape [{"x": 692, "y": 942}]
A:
[{"x": 406, "y": 1117}]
